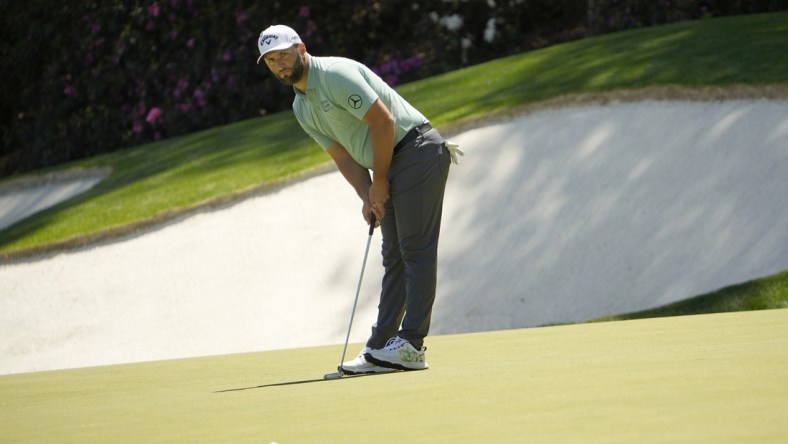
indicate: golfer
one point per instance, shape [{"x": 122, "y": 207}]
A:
[{"x": 364, "y": 125}]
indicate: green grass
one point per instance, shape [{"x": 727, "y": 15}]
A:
[
  {"x": 170, "y": 176},
  {"x": 722, "y": 52},
  {"x": 701, "y": 379},
  {"x": 759, "y": 294},
  {"x": 161, "y": 179}
]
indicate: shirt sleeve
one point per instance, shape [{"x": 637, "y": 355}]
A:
[{"x": 349, "y": 89}]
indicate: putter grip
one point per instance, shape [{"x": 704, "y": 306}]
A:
[{"x": 372, "y": 221}]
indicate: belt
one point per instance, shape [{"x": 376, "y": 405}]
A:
[{"x": 412, "y": 135}]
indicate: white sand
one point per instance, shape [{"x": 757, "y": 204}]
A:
[{"x": 564, "y": 215}]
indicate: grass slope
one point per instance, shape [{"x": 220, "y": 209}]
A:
[
  {"x": 766, "y": 293},
  {"x": 157, "y": 181},
  {"x": 702, "y": 53},
  {"x": 713, "y": 378}
]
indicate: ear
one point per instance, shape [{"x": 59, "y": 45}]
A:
[{"x": 302, "y": 48}]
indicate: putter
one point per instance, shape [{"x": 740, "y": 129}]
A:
[{"x": 339, "y": 373}]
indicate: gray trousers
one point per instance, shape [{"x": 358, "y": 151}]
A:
[{"x": 410, "y": 229}]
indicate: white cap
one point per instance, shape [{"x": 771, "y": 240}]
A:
[{"x": 275, "y": 38}]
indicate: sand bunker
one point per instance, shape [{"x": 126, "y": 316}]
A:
[{"x": 562, "y": 215}]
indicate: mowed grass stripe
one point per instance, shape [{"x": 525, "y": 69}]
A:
[{"x": 710, "y": 378}]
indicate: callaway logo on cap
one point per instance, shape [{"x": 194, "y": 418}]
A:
[{"x": 275, "y": 38}]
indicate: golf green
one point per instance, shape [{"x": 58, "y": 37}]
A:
[{"x": 710, "y": 378}]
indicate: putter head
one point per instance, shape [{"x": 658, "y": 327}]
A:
[
  {"x": 336, "y": 375},
  {"x": 339, "y": 373}
]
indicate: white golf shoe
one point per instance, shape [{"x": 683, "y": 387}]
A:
[
  {"x": 360, "y": 366},
  {"x": 400, "y": 354}
]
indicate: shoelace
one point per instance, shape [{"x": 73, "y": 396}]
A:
[{"x": 395, "y": 343}]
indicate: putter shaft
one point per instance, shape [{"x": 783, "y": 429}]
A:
[{"x": 355, "y": 301}]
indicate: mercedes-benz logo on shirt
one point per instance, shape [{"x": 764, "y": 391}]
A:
[{"x": 354, "y": 101}]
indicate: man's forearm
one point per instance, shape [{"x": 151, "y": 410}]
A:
[
  {"x": 381, "y": 131},
  {"x": 383, "y": 147},
  {"x": 356, "y": 175}
]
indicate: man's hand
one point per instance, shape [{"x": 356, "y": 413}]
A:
[
  {"x": 378, "y": 195},
  {"x": 369, "y": 216}
]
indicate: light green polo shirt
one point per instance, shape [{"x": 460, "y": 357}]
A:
[{"x": 339, "y": 92}]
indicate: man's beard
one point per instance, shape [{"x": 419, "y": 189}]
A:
[{"x": 295, "y": 73}]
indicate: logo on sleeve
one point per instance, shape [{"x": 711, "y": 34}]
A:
[{"x": 354, "y": 101}]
